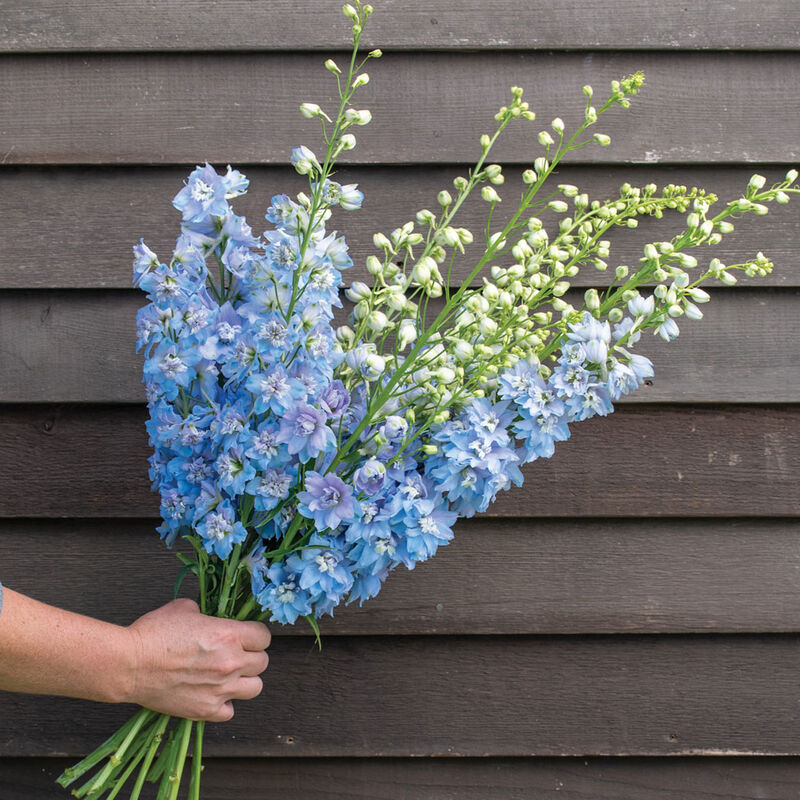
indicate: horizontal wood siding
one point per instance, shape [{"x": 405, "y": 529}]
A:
[
  {"x": 511, "y": 576},
  {"x": 637, "y": 597},
  {"x": 483, "y": 695},
  {"x": 85, "y": 243},
  {"x": 463, "y": 779},
  {"x": 48, "y": 335},
  {"x": 46, "y": 25},
  {"x": 91, "y": 461},
  {"x": 242, "y": 107}
]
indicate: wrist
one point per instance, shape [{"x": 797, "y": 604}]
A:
[{"x": 117, "y": 684}]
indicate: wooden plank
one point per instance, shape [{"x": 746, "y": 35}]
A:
[
  {"x": 536, "y": 577},
  {"x": 46, "y": 337},
  {"x": 481, "y": 696},
  {"x": 94, "y": 109},
  {"x": 662, "y": 461},
  {"x": 41, "y": 25},
  {"x": 753, "y": 778},
  {"x": 90, "y": 237}
]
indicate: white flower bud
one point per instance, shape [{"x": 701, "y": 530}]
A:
[
  {"x": 692, "y": 311},
  {"x": 407, "y": 333},
  {"x": 791, "y": 175},
  {"x": 591, "y": 115},
  {"x": 699, "y": 295},
  {"x": 558, "y": 125},
  {"x": 444, "y": 198},
  {"x": 602, "y": 139},
  {"x": 621, "y": 272},
  {"x": 588, "y": 91},
  {"x": 347, "y": 141},
  {"x": 487, "y": 326},
  {"x": 361, "y": 80},
  {"x": 489, "y": 194},
  {"x": 465, "y": 235},
  {"x": 485, "y": 141},
  {"x": 560, "y": 288},
  {"x": 756, "y": 182},
  {"x": 445, "y": 375},
  {"x": 381, "y": 242},
  {"x": 349, "y": 11},
  {"x": 309, "y": 110},
  {"x": 373, "y": 367},
  {"x": 374, "y": 266},
  {"x": 725, "y": 227},
  {"x": 541, "y": 165},
  {"x": 559, "y": 206},
  {"x": 358, "y": 291},
  {"x": 460, "y": 183},
  {"x": 592, "y": 299},
  {"x": 728, "y": 278},
  {"x": 332, "y": 66},
  {"x": 377, "y": 321},
  {"x": 421, "y": 271},
  {"x": 425, "y": 217},
  {"x": 529, "y": 177},
  {"x": 345, "y": 335},
  {"x": 463, "y": 351},
  {"x": 545, "y": 139}
]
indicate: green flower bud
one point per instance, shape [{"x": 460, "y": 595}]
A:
[
  {"x": 489, "y": 194},
  {"x": 592, "y": 299},
  {"x": 444, "y": 199},
  {"x": 558, "y": 125},
  {"x": 349, "y": 11},
  {"x": 615, "y": 315},
  {"x": 347, "y": 141},
  {"x": 332, "y": 66},
  {"x": 460, "y": 183},
  {"x": 345, "y": 335},
  {"x": 529, "y": 177},
  {"x": 361, "y": 80},
  {"x": 621, "y": 272},
  {"x": 541, "y": 165},
  {"x": 545, "y": 139},
  {"x": 602, "y": 139}
]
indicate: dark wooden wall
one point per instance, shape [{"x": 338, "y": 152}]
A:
[{"x": 628, "y": 625}]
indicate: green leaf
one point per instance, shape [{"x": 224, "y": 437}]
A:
[
  {"x": 314, "y": 627},
  {"x": 179, "y": 580}
]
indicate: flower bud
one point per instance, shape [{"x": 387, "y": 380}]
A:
[
  {"x": 692, "y": 311},
  {"x": 332, "y": 66},
  {"x": 559, "y": 206},
  {"x": 407, "y": 333},
  {"x": 445, "y": 375},
  {"x": 425, "y": 217},
  {"x": 376, "y": 53},
  {"x": 444, "y": 198},
  {"x": 347, "y": 141},
  {"x": 728, "y": 278},
  {"x": 361, "y": 80},
  {"x": 309, "y": 110},
  {"x": 558, "y": 125},
  {"x": 545, "y": 139},
  {"x": 460, "y": 183},
  {"x": 541, "y": 165},
  {"x": 345, "y": 335},
  {"x": 591, "y": 115},
  {"x": 621, "y": 272},
  {"x": 602, "y": 139},
  {"x": 381, "y": 242},
  {"x": 756, "y": 182},
  {"x": 349, "y": 11},
  {"x": 592, "y": 299},
  {"x": 358, "y": 291},
  {"x": 489, "y": 194},
  {"x": 377, "y": 321},
  {"x": 529, "y": 177},
  {"x": 487, "y": 326},
  {"x": 485, "y": 141},
  {"x": 463, "y": 351},
  {"x": 374, "y": 266}
]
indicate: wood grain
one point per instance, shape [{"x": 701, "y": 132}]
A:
[
  {"x": 283, "y": 25},
  {"x": 697, "y": 778},
  {"x": 481, "y": 696},
  {"x": 536, "y": 576},
  {"x": 663, "y": 461},
  {"x": 46, "y": 336},
  {"x": 86, "y": 242},
  {"x": 429, "y": 107}
]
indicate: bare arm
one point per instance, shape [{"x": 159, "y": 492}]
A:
[{"x": 174, "y": 659}]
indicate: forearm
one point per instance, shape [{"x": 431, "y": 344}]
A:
[{"x": 46, "y": 650}]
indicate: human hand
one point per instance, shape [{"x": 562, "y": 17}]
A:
[{"x": 188, "y": 664}]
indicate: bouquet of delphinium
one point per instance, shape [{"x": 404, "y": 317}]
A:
[{"x": 302, "y": 462}]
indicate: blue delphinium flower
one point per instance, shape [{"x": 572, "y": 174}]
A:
[{"x": 328, "y": 500}]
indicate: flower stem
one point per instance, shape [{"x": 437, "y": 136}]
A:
[
  {"x": 197, "y": 762},
  {"x": 151, "y": 753}
]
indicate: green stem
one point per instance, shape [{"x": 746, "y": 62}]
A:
[
  {"x": 151, "y": 753},
  {"x": 182, "y": 746},
  {"x": 197, "y": 762},
  {"x": 116, "y": 758}
]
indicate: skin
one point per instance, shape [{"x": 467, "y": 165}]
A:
[{"x": 174, "y": 659}]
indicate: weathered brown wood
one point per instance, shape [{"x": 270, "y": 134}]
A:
[
  {"x": 661, "y": 461},
  {"x": 753, "y": 778},
  {"x": 535, "y": 577},
  {"x": 283, "y": 25},
  {"x": 80, "y": 347},
  {"x": 498, "y": 695},
  {"x": 243, "y": 107},
  {"x": 86, "y": 242}
]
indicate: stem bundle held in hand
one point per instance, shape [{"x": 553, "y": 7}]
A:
[{"x": 303, "y": 463}]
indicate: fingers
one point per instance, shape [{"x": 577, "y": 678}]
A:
[
  {"x": 246, "y": 689},
  {"x": 254, "y": 635},
  {"x": 254, "y": 664},
  {"x": 222, "y": 714}
]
